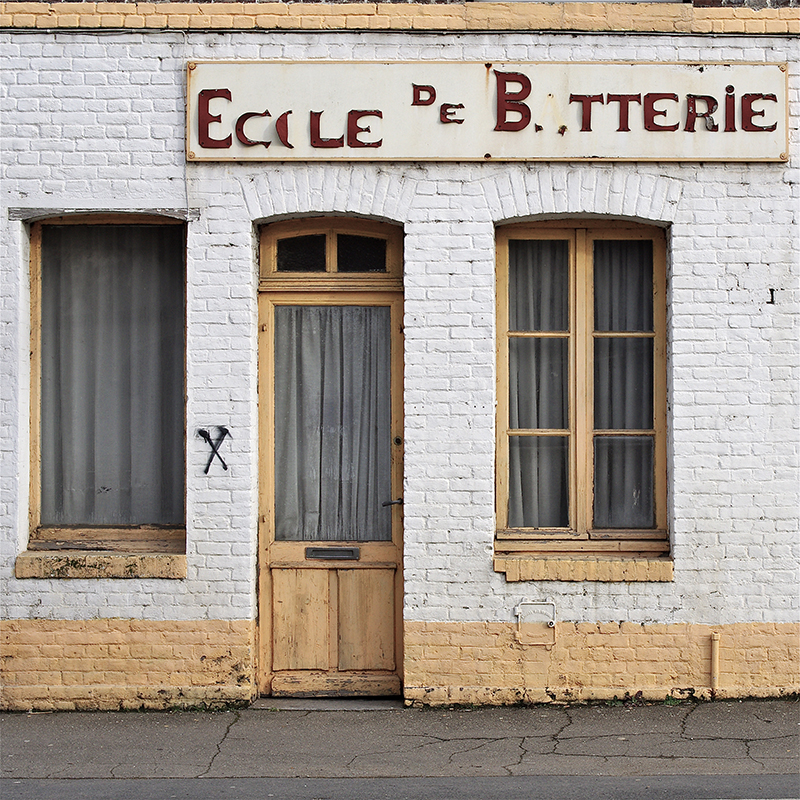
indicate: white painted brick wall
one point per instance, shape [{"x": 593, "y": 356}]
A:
[{"x": 95, "y": 122}]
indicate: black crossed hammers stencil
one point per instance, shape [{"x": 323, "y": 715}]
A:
[{"x": 214, "y": 445}]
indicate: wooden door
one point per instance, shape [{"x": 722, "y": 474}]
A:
[{"x": 330, "y": 395}]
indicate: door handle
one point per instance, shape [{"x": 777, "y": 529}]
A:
[{"x": 397, "y": 502}]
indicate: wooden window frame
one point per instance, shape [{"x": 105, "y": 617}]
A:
[
  {"x": 580, "y": 540},
  {"x": 81, "y": 550},
  {"x": 270, "y": 279}
]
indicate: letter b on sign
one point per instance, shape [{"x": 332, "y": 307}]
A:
[{"x": 512, "y": 101}]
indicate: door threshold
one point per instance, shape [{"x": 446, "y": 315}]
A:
[{"x": 328, "y": 704}]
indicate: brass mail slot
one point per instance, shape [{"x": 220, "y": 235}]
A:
[{"x": 338, "y": 553}]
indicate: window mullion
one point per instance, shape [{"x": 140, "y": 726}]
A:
[
  {"x": 580, "y": 422},
  {"x": 660, "y": 379},
  {"x": 330, "y": 251},
  {"x": 503, "y": 378}
]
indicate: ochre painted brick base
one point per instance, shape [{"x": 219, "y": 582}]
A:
[
  {"x": 125, "y": 664},
  {"x": 485, "y": 663},
  {"x": 128, "y": 664}
]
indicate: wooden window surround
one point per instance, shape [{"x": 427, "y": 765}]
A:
[
  {"x": 75, "y": 550},
  {"x": 332, "y": 271},
  {"x": 581, "y": 473}
]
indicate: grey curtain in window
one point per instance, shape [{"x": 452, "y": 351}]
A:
[
  {"x": 623, "y": 384},
  {"x": 332, "y": 423},
  {"x": 112, "y": 427},
  {"x": 538, "y": 485},
  {"x": 538, "y": 383},
  {"x": 538, "y": 285}
]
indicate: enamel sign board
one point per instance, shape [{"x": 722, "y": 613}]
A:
[{"x": 463, "y": 111}]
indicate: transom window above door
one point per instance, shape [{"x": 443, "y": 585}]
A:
[
  {"x": 333, "y": 252},
  {"x": 581, "y": 422}
]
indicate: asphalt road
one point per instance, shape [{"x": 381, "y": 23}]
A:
[{"x": 696, "y": 787}]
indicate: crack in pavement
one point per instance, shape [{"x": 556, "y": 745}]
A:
[
  {"x": 556, "y": 737},
  {"x": 684, "y": 722},
  {"x": 484, "y": 740},
  {"x": 236, "y": 717},
  {"x": 405, "y": 735},
  {"x": 481, "y": 741},
  {"x": 524, "y": 749},
  {"x": 750, "y": 756},
  {"x": 522, "y": 754}
]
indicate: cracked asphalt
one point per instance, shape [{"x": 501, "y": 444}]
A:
[{"x": 359, "y": 739}]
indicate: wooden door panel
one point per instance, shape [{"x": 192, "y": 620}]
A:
[
  {"x": 330, "y": 624},
  {"x": 335, "y": 684},
  {"x": 300, "y": 618},
  {"x": 366, "y": 619}
]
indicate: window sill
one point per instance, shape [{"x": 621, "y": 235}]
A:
[
  {"x": 99, "y": 564},
  {"x": 561, "y": 567},
  {"x": 146, "y": 551}
]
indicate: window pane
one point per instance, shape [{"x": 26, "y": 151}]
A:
[
  {"x": 360, "y": 253},
  {"x": 302, "y": 254},
  {"x": 538, "y": 494},
  {"x": 112, "y": 428},
  {"x": 623, "y": 482},
  {"x": 538, "y": 371},
  {"x": 538, "y": 286},
  {"x": 623, "y": 285},
  {"x": 332, "y": 423},
  {"x": 623, "y": 383}
]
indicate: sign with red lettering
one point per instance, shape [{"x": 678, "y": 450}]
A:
[{"x": 457, "y": 111}]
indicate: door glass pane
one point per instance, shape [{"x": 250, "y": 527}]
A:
[
  {"x": 360, "y": 253},
  {"x": 538, "y": 286},
  {"x": 623, "y": 383},
  {"x": 112, "y": 432},
  {"x": 302, "y": 253},
  {"x": 332, "y": 423},
  {"x": 623, "y": 285},
  {"x": 538, "y": 494},
  {"x": 538, "y": 383},
  {"x": 623, "y": 482}
]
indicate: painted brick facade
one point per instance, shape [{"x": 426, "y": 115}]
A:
[{"x": 95, "y": 122}]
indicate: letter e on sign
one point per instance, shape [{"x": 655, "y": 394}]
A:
[
  {"x": 205, "y": 118},
  {"x": 353, "y": 128},
  {"x": 748, "y": 112},
  {"x": 650, "y": 112}
]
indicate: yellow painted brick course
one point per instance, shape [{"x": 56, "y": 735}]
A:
[
  {"x": 117, "y": 663},
  {"x": 550, "y": 568},
  {"x": 80, "y": 564},
  {"x": 597, "y": 661},
  {"x": 643, "y": 17}
]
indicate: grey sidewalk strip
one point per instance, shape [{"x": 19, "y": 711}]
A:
[{"x": 727, "y": 738}]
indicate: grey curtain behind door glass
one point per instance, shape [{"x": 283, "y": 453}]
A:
[
  {"x": 332, "y": 423},
  {"x": 112, "y": 375}
]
